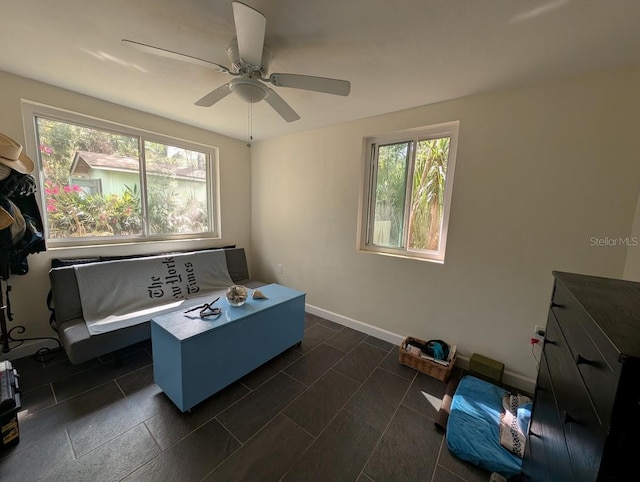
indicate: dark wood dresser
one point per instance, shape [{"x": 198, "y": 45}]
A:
[{"x": 585, "y": 424}]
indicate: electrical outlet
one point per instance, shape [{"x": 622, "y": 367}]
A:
[
  {"x": 280, "y": 269},
  {"x": 537, "y": 337}
]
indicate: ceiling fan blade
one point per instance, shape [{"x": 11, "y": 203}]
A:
[
  {"x": 250, "y": 28},
  {"x": 214, "y": 96},
  {"x": 280, "y": 106},
  {"x": 174, "y": 55},
  {"x": 308, "y": 82}
]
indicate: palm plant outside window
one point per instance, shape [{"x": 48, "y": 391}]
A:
[{"x": 407, "y": 192}]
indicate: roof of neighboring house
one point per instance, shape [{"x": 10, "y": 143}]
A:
[{"x": 83, "y": 161}]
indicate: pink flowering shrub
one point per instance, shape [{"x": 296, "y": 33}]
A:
[
  {"x": 45, "y": 149},
  {"x": 71, "y": 212}
]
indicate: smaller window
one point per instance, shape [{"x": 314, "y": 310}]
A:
[
  {"x": 88, "y": 186},
  {"x": 407, "y": 192}
]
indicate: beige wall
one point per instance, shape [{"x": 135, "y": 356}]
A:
[
  {"x": 28, "y": 297},
  {"x": 539, "y": 171}
]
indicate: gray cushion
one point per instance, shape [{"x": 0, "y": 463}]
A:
[
  {"x": 237, "y": 264},
  {"x": 79, "y": 345},
  {"x": 66, "y": 297}
]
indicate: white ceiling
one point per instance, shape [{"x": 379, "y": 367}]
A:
[{"x": 396, "y": 53}]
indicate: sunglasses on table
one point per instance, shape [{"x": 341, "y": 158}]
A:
[{"x": 207, "y": 309}]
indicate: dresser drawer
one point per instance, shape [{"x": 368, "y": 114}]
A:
[
  {"x": 595, "y": 358},
  {"x": 583, "y": 432},
  {"x": 588, "y": 386},
  {"x": 547, "y": 458}
]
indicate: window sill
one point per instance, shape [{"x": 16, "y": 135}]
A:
[
  {"x": 403, "y": 255},
  {"x": 59, "y": 245}
]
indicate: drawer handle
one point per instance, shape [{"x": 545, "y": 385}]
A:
[
  {"x": 567, "y": 418},
  {"x": 580, "y": 360},
  {"x": 555, "y": 305}
]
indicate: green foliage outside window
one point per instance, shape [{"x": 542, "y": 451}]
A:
[
  {"x": 72, "y": 213},
  {"x": 427, "y": 200},
  {"x": 427, "y": 186},
  {"x": 172, "y": 210},
  {"x": 390, "y": 192},
  {"x": 175, "y": 203}
]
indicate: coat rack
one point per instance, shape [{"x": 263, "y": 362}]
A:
[
  {"x": 20, "y": 236},
  {"x": 9, "y": 342},
  {"x": 8, "y": 252}
]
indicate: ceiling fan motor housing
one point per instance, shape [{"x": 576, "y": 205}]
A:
[
  {"x": 248, "y": 89},
  {"x": 239, "y": 66}
]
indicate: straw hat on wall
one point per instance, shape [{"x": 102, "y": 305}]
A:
[
  {"x": 13, "y": 157},
  {"x": 6, "y": 219}
]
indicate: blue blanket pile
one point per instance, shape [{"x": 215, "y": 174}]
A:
[{"x": 473, "y": 428}]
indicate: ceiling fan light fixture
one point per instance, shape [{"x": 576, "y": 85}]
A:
[{"x": 249, "y": 90}]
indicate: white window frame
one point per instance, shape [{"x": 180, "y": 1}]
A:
[
  {"x": 368, "y": 189},
  {"x": 31, "y": 110}
]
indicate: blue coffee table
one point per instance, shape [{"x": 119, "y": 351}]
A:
[{"x": 194, "y": 358}]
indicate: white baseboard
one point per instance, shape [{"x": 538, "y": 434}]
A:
[
  {"x": 356, "y": 325},
  {"x": 28, "y": 348},
  {"x": 509, "y": 378}
]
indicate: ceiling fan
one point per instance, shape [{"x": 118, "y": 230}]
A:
[{"x": 249, "y": 65}]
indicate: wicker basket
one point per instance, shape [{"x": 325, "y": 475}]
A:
[{"x": 428, "y": 367}]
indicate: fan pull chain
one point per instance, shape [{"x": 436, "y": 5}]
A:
[
  {"x": 249, "y": 125},
  {"x": 250, "y": 121}
]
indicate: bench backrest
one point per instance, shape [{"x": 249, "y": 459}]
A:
[{"x": 64, "y": 286}]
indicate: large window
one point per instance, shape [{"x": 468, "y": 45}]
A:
[
  {"x": 106, "y": 183},
  {"x": 407, "y": 192}
]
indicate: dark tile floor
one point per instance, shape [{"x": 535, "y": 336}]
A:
[{"x": 339, "y": 407}]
